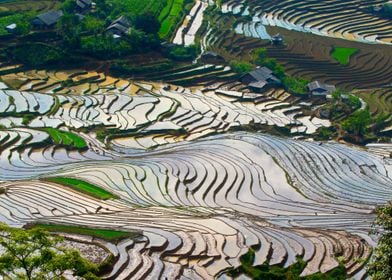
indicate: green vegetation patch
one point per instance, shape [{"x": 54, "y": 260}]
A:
[
  {"x": 105, "y": 234},
  {"x": 66, "y": 138},
  {"x": 296, "y": 85},
  {"x": 241, "y": 67},
  {"x": 342, "y": 55},
  {"x": 170, "y": 18},
  {"x": 83, "y": 187},
  {"x": 137, "y": 7},
  {"x": 36, "y": 54},
  {"x": 22, "y": 21},
  {"x": 275, "y": 272}
]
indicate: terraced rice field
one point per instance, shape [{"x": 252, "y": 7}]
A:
[
  {"x": 186, "y": 34},
  {"x": 236, "y": 192},
  {"x": 350, "y": 20},
  {"x": 176, "y": 179},
  {"x": 158, "y": 114},
  {"x": 303, "y": 54},
  {"x": 28, "y": 5},
  {"x": 199, "y": 198}
]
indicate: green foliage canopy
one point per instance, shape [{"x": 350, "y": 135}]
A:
[
  {"x": 34, "y": 254},
  {"x": 241, "y": 67},
  {"x": 380, "y": 266},
  {"x": 36, "y": 54},
  {"x": 358, "y": 122}
]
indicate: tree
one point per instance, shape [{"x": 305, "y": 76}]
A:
[
  {"x": 380, "y": 266},
  {"x": 296, "y": 85},
  {"x": 358, "y": 122},
  {"x": 148, "y": 23},
  {"x": 36, "y": 54},
  {"x": 70, "y": 29},
  {"x": 260, "y": 55},
  {"x": 240, "y": 67},
  {"x": 34, "y": 254},
  {"x": 94, "y": 25},
  {"x": 69, "y": 6}
]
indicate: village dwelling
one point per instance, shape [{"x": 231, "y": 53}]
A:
[
  {"x": 277, "y": 39},
  {"x": 11, "y": 29},
  {"x": 84, "y": 5},
  {"x": 320, "y": 89},
  {"x": 260, "y": 79},
  {"x": 47, "y": 20},
  {"x": 211, "y": 58},
  {"x": 119, "y": 27}
]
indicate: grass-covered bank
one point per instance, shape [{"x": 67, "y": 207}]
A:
[
  {"x": 342, "y": 55},
  {"x": 83, "y": 187},
  {"x": 106, "y": 234},
  {"x": 66, "y": 138}
]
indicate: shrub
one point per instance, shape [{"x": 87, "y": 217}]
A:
[
  {"x": 324, "y": 133},
  {"x": 295, "y": 85},
  {"x": 105, "y": 46},
  {"x": 380, "y": 266},
  {"x": 183, "y": 53},
  {"x": 358, "y": 122},
  {"x": 148, "y": 23},
  {"x": 37, "y": 54},
  {"x": 387, "y": 10},
  {"x": 22, "y": 21},
  {"x": 35, "y": 254},
  {"x": 240, "y": 67}
]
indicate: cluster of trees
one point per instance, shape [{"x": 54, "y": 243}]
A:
[
  {"x": 360, "y": 125},
  {"x": 34, "y": 254},
  {"x": 380, "y": 266},
  {"x": 89, "y": 35},
  {"x": 386, "y": 10},
  {"x": 37, "y": 54},
  {"x": 241, "y": 67},
  {"x": 182, "y": 53},
  {"x": 357, "y": 124},
  {"x": 76, "y": 36},
  {"x": 22, "y": 21}
]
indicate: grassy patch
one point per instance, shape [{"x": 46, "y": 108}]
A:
[
  {"x": 66, "y": 138},
  {"x": 110, "y": 235},
  {"x": 22, "y": 20},
  {"x": 170, "y": 16},
  {"x": 83, "y": 187},
  {"x": 342, "y": 55},
  {"x": 137, "y": 7}
]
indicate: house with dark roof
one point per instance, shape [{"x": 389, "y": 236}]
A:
[
  {"x": 11, "y": 28},
  {"x": 84, "y": 5},
  {"x": 119, "y": 27},
  {"x": 47, "y": 20},
  {"x": 260, "y": 79},
  {"x": 277, "y": 39},
  {"x": 317, "y": 88},
  {"x": 211, "y": 57}
]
